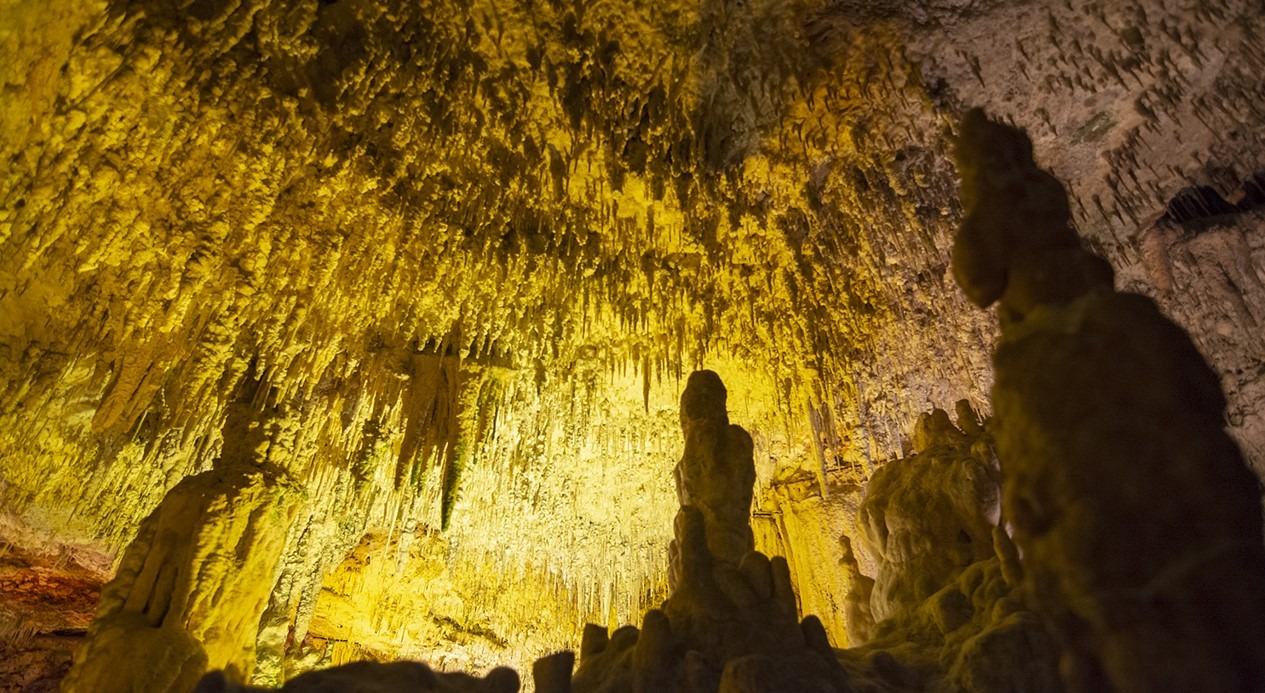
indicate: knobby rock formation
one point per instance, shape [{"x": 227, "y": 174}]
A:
[
  {"x": 1138, "y": 521},
  {"x": 472, "y": 250}
]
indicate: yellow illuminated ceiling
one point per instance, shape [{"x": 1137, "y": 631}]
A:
[{"x": 308, "y": 195}]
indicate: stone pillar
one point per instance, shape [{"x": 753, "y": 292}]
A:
[
  {"x": 193, "y": 585},
  {"x": 716, "y": 472},
  {"x": 1138, "y": 523},
  {"x": 731, "y": 623}
]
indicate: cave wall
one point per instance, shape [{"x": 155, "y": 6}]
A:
[
  {"x": 580, "y": 202},
  {"x": 1151, "y": 114}
]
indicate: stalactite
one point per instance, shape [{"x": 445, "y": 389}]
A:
[{"x": 299, "y": 194}]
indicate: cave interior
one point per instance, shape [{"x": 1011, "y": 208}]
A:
[{"x": 594, "y": 345}]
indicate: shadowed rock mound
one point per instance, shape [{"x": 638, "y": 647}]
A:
[{"x": 1139, "y": 523}]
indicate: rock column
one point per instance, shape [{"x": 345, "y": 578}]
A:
[
  {"x": 1138, "y": 523},
  {"x": 193, "y": 585},
  {"x": 716, "y": 472}
]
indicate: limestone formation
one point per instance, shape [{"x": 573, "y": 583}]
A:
[
  {"x": 727, "y": 625},
  {"x": 1016, "y": 243},
  {"x": 469, "y": 251},
  {"x": 716, "y": 472},
  {"x": 950, "y": 614},
  {"x": 1138, "y": 523},
  {"x": 857, "y": 609},
  {"x": 928, "y": 517},
  {"x": 957, "y": 619},
  {"x": 191, "y": 588}
]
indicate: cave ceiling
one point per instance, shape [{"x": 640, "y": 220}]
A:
[{"x": 455, "y": 259}]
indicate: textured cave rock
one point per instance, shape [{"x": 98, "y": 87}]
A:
[
  {"x": 468, "y": 252},
  {"x": 858, "y": 611},
  {"x": 47, "y": 605},
  {"x": 928, "y": 525},
  {"x": 947, "y": 600},
  {"x": 957, "y": 620},
  {"x": 948, "y": 597},
  {"x": 1138, "y": 520},
  {"x": 191, "y": 589}
]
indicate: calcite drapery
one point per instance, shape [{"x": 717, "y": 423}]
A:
[
  {"x": 728, "y": 625},
  {"x": 1139, "y": 523},
  {"x": 315, "y": 185}
]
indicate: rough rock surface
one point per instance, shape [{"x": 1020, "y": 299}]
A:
[
  {"x": 362, "y": 202},
  {"x": 191, "y": 589},
  {"x": 1138, "y": 521},
  {"x": 716, "y": 471},
  {"x": 927, "y": 525},
  {"x": 946, "y": 595},
  {"x": 726, "y": 625},
  {"x": 958, "y": 620},
  {"x": 958, "y": 624}
]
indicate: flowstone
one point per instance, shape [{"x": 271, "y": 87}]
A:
[
  {"x": 191, "y": 588},
  {"x": 1138, "y": 522},
  {"x": 947, "y": 588},
  {"x": 928, "y": 526}
]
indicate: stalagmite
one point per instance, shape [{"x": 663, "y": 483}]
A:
[
  {"x": 927, "y": 526},
  {"x": 727, "y": 625},
  {"x": 948, "y": 616},
  {"x": 1138, "y": 522},
  {"x": 191, "y": 588},
  {"x": 857, "y": 610},
  {"x": 716, "y": 471}
]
